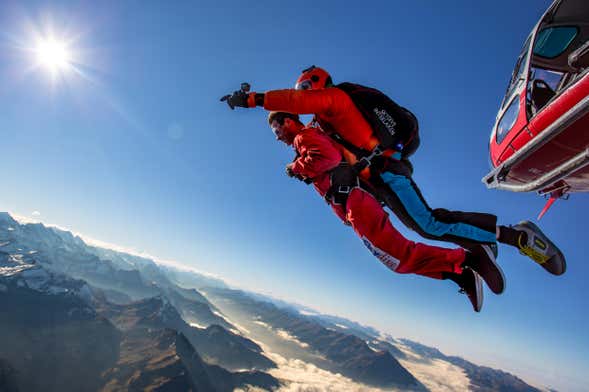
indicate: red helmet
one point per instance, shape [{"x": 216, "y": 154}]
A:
[{"x": 313, "y": 78}]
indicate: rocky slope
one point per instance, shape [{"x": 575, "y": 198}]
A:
[
  {"x": 350, "y": 354},
  {"x": 60, "y": 332},
  {"x": 48, "y": 329}
]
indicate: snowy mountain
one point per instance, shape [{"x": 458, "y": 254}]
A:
[
  {"x": 340, "y": 345},
  {"x": 48, "y": 328},
  {"x": 52, "y": 324},
  {"x": 340, "y": 352},
  {"x": 83, "y": 317},
  {"x": 57, "y": 315},
  {"x": 120, "y": 276}
]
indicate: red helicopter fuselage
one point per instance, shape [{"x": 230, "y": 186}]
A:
[{"x": 540, "y": 141}]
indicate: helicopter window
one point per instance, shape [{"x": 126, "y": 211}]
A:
[
  {"x": 508, "y": 120},
  {"x": 552, "y": 78},
  {"x": 543, "y": 86},
  {"x": 553, "y": 41},
  {"x": 518, "y": 71}
]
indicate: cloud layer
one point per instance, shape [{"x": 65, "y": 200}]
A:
[
  {"x": 437, "y": 375},
  {"x": 300, "y": 376}
]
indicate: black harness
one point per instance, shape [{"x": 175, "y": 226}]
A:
[{"x": 343, "y": 179}]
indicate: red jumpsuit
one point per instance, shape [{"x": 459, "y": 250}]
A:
[{"x": 318, "y": 155}]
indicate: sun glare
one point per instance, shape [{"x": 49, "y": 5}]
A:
[{"x": 53, "y": 54}]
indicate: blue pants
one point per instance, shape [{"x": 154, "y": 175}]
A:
[{"x": 400, "y": 193}]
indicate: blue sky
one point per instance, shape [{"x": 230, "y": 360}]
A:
[{"x": 135, "y": 149}]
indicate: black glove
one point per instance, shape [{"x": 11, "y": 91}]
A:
[
  {"x": 238, "y": 98},
  {"x": 292, "y": 174}
]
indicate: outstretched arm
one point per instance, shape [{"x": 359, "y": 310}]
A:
[
  {"x": 328, "y": 100},
  {"x": 324, "y": 101}
]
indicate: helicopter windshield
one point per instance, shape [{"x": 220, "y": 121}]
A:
[{"x": 518, "y": 71}]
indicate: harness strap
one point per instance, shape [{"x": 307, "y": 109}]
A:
[
  {"x": 366, "y": 161},
  {"x": 343, "y": 179}
]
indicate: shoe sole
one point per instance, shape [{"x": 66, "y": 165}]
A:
[
  {"x": 556, "y": 265},
  {"x": 477, "y": 304},
  {"x": 479, "y": 290},
  {"x": 501, "y": 288}
]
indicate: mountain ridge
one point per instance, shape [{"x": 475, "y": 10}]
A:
[{"x": 33, "y": 252}]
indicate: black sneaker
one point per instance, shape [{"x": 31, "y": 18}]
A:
[
  {"x": 492, "y": 246},
  {"x": 539, "y": 248},
  {"x": 482, "y": 261},
  {"x": 472, "y": 286}
]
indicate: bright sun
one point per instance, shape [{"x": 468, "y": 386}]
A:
[{"x": 53, "y": 54}]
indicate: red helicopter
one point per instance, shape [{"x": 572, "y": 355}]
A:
[{"x": 540, "y": 141}]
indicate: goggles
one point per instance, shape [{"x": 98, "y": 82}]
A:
[{"x": 304, "y": 85}]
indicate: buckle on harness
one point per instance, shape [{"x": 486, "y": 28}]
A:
[
  {"x": 343, "y": 179},
  {"x": 375, "y": 152},
  {"x": 345, "y": 189},
  {"x": 365, "y": 161}
]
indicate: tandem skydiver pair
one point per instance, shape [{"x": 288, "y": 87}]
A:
[{"x": 356, "y": 153}]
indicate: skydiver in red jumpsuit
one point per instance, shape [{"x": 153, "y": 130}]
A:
[{"x": 319, "y": 160}]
